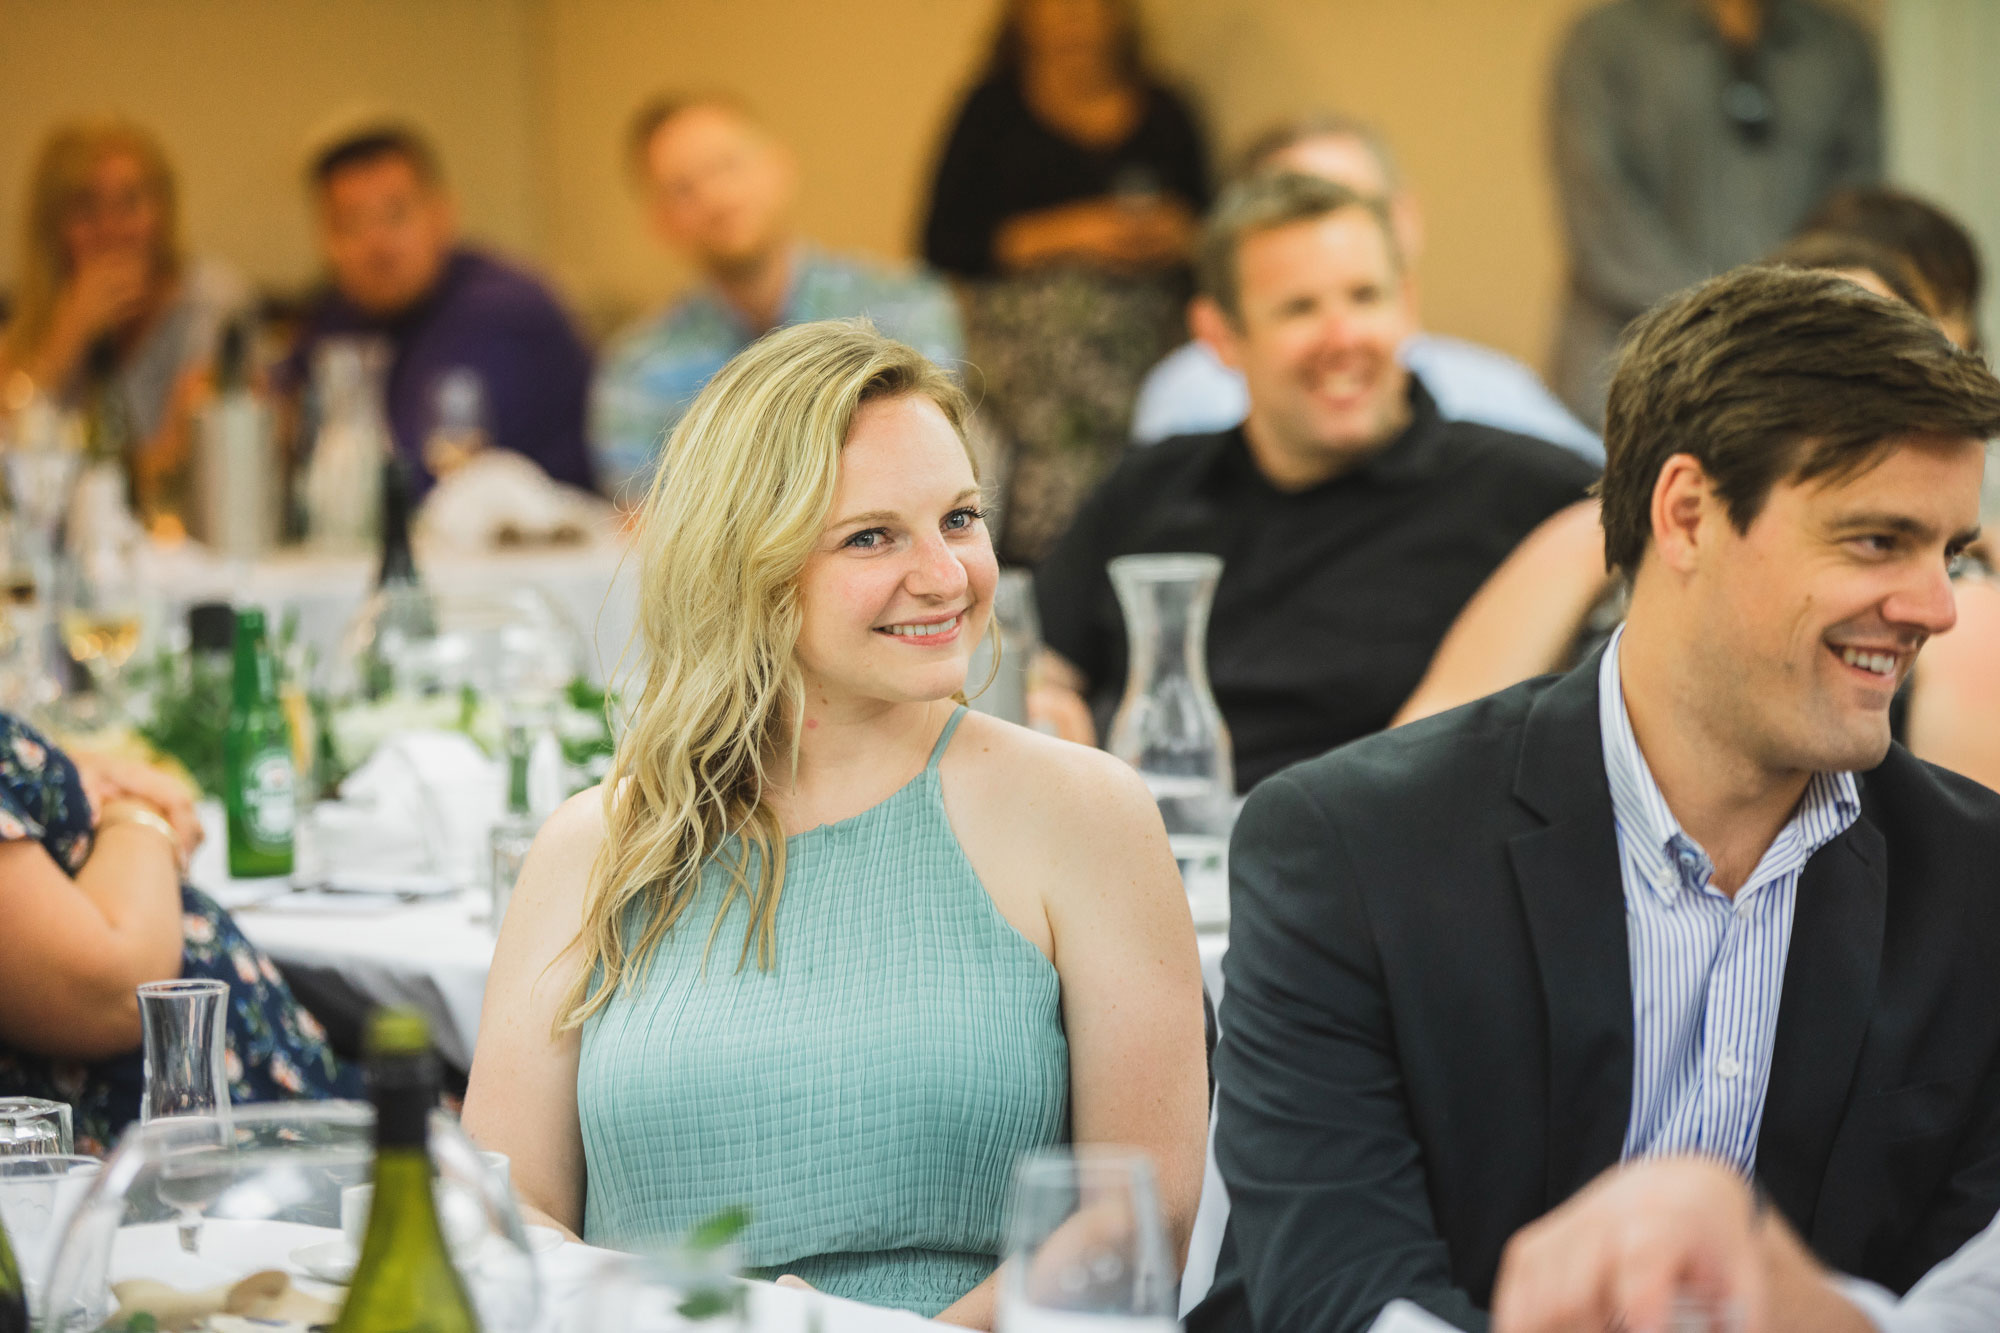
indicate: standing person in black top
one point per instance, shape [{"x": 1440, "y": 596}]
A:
[
  {"x": 1353, "y": 521},
  {"x": 1066, "y": 200}
]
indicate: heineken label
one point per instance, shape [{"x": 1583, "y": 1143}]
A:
[{"x": 269, "y": 805}]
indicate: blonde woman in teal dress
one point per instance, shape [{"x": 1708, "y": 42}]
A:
[{"x": 825, "y": 944}]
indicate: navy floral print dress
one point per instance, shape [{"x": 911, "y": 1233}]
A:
[{"x": 277, "y": 1050}]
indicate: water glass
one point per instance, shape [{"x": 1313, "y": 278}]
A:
[
  {"x": 1086, "y": 1246},
  {"x": 32, "y": 1127},
  {"x": 667, "y": 1293},
  {"x": 37, "y": 1197},
  {"x": 185, "y": 1026},
  {"x": 1697, "y": 1314}
]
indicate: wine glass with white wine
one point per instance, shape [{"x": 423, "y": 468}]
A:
[{"x": 102, "y": 617}]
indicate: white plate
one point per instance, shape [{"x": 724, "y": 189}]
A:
[
  {"x": 333, "y": 1260},
  {"x": 328, "y": 1260}
]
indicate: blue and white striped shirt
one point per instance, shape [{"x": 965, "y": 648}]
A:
[{"x": 1707, "y": 971}]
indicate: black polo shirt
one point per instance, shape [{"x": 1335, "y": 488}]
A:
[{"x": 1332, "y": 599}]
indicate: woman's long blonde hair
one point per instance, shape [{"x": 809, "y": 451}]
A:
[
  {"x": 61, "y": 176},
  {"x": 737, "y": 504}
]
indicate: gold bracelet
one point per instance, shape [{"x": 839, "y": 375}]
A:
[{"x": 132, "y": 814}]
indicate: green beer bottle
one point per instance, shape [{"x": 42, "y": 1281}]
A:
[
  {"x": 404, "y": 1281},
  {"x": 258, "y": 778}
]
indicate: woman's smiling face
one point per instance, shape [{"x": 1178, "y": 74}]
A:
[{"x": 897, "y": 593}]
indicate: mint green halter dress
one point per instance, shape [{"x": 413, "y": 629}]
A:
[{"x": 865, "y": 1098}]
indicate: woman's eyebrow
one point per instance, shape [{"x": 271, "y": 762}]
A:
[
  {"x": 872, "y": 516},
  {"x": 890, "y": 515}
]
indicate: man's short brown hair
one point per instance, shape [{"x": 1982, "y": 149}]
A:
[
  {"x": 1261, "y": 203},
  {"x": 1769, "y": 374}
]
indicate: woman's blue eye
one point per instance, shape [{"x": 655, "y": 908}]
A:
[
  {"x": 864, "y": 540},
  {"x": 958, "y": 520}
]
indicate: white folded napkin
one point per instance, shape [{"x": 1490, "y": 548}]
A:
[
  {"x": 416, "y": 816},
  {"x": 500, "y": 497}
]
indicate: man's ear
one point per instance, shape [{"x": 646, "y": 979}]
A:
[
  {"x": 1209, "y": 324},
  {"x": 1683, "y": 499}
]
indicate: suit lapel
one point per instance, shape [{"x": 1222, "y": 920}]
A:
[
  {"x": 1571, "y": 892},
  {"x": 1829, "y": 993}
]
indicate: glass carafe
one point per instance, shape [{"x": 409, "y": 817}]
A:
[
  {"x": 341, "y": 489},
  {"x": 1168, "y": 725}
]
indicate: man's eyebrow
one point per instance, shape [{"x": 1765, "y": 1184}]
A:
[
  {"x": 1914, "y": 528},
  {"x": 1902, "y": 524}
]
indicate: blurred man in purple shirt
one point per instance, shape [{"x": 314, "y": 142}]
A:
[{"x": 450, "y": 314}]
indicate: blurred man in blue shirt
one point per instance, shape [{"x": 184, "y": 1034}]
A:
[{"x": 718, "y": 189}]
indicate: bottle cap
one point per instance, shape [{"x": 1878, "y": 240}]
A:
[
  {"x": 250, "y": 623},
  {"x": 211, "y": 627}
]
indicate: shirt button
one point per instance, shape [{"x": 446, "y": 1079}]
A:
[{"x": 1728, "y": 1067}]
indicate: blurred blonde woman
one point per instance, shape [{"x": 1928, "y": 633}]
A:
[
  {"x": 825, "y": 943},
  {"x": 104, "y": 290}
]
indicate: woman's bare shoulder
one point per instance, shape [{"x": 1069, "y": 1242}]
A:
[
  {"x": 1050, "y": 783},
  {"x": 557, "y": 872}
]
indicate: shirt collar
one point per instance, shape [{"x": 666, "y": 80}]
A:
[
  {"x": 806, "y": 261},
  {"x": 1414, "y": 455},
  {"x": 1780, "y": 22},
  {"x": 1669, "y": 860}
]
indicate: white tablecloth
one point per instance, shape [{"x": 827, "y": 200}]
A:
[{"x": 566, "y": 1275}]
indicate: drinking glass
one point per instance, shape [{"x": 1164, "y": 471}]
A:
[
  {"x": 1086, "y": 1246},
  {"x": 37, "y": 1197},
  {"x": 32, "y": 1127},
  {"x": 186, "y": 1039},
  {"x": 187, "y": 1093},
  {"x": 667, "y": 1293},
  {"x": 103, "y": 616},
  {"x": 1699, "y": 1314}
]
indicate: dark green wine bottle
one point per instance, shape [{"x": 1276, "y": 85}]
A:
[
  {"x": 13, "y": 1300},
  {"x": 405, "y": 1281},
  {"x": 259, "y": 781}
]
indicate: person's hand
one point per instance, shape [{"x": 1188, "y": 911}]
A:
[
  {"x": 1117, "y": 232},
  {"x": 1055, "y": 704},
  {"x": 795, "y": 1283},
  {"x": 1161, "y": 230},
  {"x": 109, "y": 778},
  {"x": 105, "y": 291},
  {"x": 1619, "y": 1253}
]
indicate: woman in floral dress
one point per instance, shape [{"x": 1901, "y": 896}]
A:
[{"x": 91, "y": 852}]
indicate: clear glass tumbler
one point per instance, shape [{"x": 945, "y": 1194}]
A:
[
  {"x": 1087, "y": 1246},
  {"x": 37, "y": 1197},
  {"x": 186, "y": 1032},
  {"x": 34, "y": 1127}
]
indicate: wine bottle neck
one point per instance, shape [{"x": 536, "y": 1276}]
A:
[{"x": 399, "y": 564}]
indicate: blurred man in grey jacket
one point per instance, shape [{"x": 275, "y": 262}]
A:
[{"x": 1692, "y": 136}]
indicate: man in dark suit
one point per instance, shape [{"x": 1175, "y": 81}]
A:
[{"x": 1688, "y": 898}]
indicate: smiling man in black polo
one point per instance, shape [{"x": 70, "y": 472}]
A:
[{"x": 1353, "y": 521}]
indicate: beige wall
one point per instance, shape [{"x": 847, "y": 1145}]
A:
[
  {"x": 529, "y": 97},
  {"x": 236, "y": 87}
]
